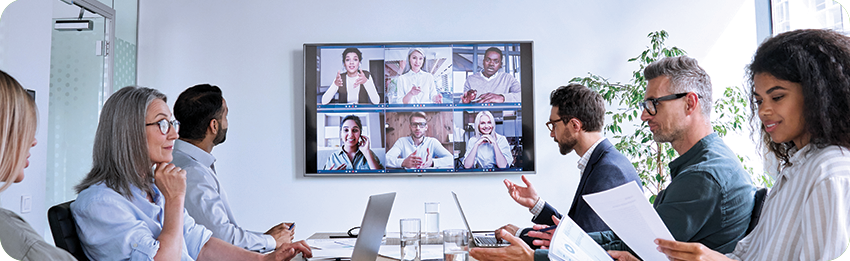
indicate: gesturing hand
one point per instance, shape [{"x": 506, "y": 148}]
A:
[
  {"x": 543, "y": 238},
  {"x": 468, "y": 96},
  {"x": 525, "y": 196},
  {"x": 491, "y": 98},
  {"x": 338, "y": 79},
  {"x": 415, "y": 90},
  {"x": 428, "y": 160},
  {"x": 340, "y": 167},
  {"x": 438, "y": 98},
  {"x": 171, "y": 181},
  {"x": 364, "y": 145},
  {"x": 361, "y": 78},
  {"x": 412, "y": 161}
]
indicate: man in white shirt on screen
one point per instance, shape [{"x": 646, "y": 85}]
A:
[
  {"x": 202, "y": 112},
  {"x": 418, "y": 151},
  {"x": 491, "y": 85}
]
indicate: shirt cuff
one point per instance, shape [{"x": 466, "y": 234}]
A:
[
  {"x": 538, "y": 207},
  {"x": 519, "y": 232},
  {"x": 270, "y": 243}
]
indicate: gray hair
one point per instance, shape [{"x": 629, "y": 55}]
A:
[
  {"x": 120, "y": 158},
  {"x": 685, "y": 76}
]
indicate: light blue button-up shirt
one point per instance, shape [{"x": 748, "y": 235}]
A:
[
  {"x": 485, "y": 157},
  {"x": 207, "y": 201},
  {"x": 112, "y": 227}
]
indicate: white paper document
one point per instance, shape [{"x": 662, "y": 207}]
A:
[
  {"x": 626, "y": 211},
  {"x": 571, "y": 243},
  {"x": 332, "y": 248}
]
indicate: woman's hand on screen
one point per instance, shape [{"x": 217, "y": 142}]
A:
[
  {"x": 361, "y": 78},
  {"x": 364, "y": 145},
  {"x": 338, "y": 79}
]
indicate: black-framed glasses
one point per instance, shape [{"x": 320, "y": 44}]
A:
[
  {"x": 419, "y": 124},
  {"x": 165, "y": 125},
  {"x": 551, "y": 124},
  {"x": 650, "y": 104}
]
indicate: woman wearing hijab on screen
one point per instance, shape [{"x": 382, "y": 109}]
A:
[
  {"x": 356, "y": 85},
  {"x": 355, "y": 151},
  {"x": 487, "y": 149},
  {"x": 800, "y": 88},
  {"x": 17, "y": 135},
  {"x": 417, "y": 85}
]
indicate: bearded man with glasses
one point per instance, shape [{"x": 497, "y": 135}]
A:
[
  {"x": 710, "y": 196},
  {"x": 418, "y": 151}
]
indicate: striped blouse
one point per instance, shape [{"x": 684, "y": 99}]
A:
[{"x": 805, "y": 215}]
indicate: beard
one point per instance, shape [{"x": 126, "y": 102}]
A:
[
  {"x": 669, "y": 136},
  {"x": 567, "y": 146},
  {"x": 220, "y": 137}
]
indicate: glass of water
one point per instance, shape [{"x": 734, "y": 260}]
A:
[
  {"x": 410, "y": 239},
  {"x": 456, "y": 245},
  {"x": 432, "y": 223}
]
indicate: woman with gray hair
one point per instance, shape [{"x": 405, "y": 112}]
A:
[
  {"x": 130, "y": 205},
  {"x": 17, "y": 135},
  {"x": 416, "y": 85},
  {"x": 487, "y": 149}
]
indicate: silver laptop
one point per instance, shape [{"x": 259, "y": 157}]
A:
[
  {"x": 479, "y": 239},
  {"x": 372, "y": 227}
]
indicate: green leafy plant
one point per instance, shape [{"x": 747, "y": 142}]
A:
[{"x": 650, "y": 158}]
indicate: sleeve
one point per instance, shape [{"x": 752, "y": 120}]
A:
[
  {"x": 109, "y": 230},
  {"x": 328, "y": 163},
  {"x": 372, "y": 91},
  {"x": 541, "y": 255},
  {"x": 402, "y": 87},
  {"x": 195, "y": 236},
  {"x": 505, "y": 148},
  {"x": 330, "y": 93},
  {"x": 470, "y": 144},
  {"x": 378, "y": 160},
  {"x": 609, "y": 241},
  {"x": 825, "y": 220},
  {"x": 205, "y": 204},
  {"x": 466, "y": 85},
  {"x": 545, "y": 216},
  {"x": 514, "y": 91},
  {"x": 431, "y": 87},
  {"x": 442, "y": 157},
  {"x": 688, "y": 204},
  {"x": 393, "y": 155}
]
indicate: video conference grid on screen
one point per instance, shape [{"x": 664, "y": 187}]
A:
[{"x": 417, "y": 108}]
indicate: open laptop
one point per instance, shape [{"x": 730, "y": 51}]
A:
[
  {"x": 479, "y": 239},
  {"x": 372, "y": 227}
]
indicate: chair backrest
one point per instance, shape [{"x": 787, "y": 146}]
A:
[
  {"x": 757, "y": 204},
  {"x": 65, "y": 230}
]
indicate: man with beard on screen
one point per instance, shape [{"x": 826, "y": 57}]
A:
[
  {"x": 418, "y": 151},
  {"x": 202, "y": 112}
]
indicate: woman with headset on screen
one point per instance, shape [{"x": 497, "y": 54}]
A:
[
  {"x": 487, "y": 149},
  {"x": 416, "y": 85},
  {"x": 17, "y": 135},
  {"x": 356, "y": 86},
  {"x": 355, "y": 152}
]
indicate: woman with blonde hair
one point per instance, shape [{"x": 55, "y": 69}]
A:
[
  {"x": 17, "y": 135},
  {"x": 487, "y": 149},
  {"x": 416, "y": 85}
]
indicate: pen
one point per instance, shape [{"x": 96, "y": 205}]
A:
[
  {"x": 543, "y": 230},
  {"x": 291, "y": 226}
]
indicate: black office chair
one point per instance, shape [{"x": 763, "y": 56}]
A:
[
  {"x": 759, "y": 201},
  {"x": 64, "y": 230}
]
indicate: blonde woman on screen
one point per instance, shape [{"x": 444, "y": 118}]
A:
[
  {"x": 417, "y": 85},
  {"x": 355, "y": 86},
  {"x": 487, "y": 149},
  {"x": 17, "y": 135}
]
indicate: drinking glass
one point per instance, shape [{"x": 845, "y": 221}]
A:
[
  {"x": 432, "y": 223},
  {"x": 410, "y": 239},
  {"x": 456, "y": 245}
]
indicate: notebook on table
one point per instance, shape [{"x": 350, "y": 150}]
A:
[{"x": 479, "y": 239}]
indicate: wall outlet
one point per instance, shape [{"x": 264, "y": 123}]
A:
[{"x": 26, "y": 204}]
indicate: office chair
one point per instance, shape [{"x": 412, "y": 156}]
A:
[
  {"x": 64, "y": 230},
  {"x": 757, "y": 205}
]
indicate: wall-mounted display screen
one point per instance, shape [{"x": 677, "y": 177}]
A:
[{"x": 419, "y": 108}]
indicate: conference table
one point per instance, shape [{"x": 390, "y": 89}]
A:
[{"x": 388, "y": 241}]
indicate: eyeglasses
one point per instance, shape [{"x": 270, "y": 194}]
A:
[
  {"x": 551, "y": 124},
  {"x": 165, "y": 125},
  {"x": 419, "y": 124},
  {"x": 649, "y": 104}
]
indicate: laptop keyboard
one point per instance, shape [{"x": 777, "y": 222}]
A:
[{"x": 484, "y": 240}]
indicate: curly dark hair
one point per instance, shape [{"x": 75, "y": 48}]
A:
[
  {"x": 578, "y": 101},
  {"x": 819, "y": 60}
]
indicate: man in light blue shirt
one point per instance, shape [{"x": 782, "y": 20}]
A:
[
  {"x": 202, "y": 112},
  {"x": 418, "y": 151}
]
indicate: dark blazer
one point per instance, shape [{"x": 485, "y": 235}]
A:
[{"x": 606, "y": 169}]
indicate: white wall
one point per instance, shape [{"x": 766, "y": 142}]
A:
[
  {"x": 252, "y": 49},
  {"x": 25, "y": 54}
]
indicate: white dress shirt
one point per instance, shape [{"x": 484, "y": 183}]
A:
[
  {"x": 207, "y": 202},
  {"x": 404, "y": 146},
  {"x": 805, "y": 214},
  {"x": 424, "y": 80}
]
